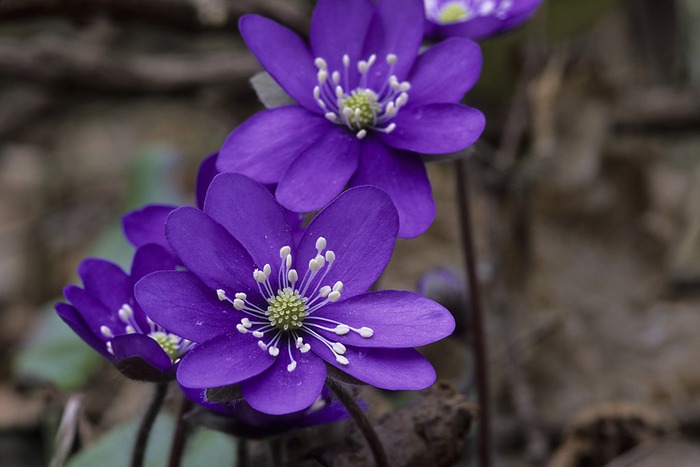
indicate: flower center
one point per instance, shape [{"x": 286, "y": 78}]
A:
[
  {"x": 173, "y": 345},
  {"x": 360, "y": 108},
  {"x": 364, "y": 106},
  {"x": 459, "y": 11},
  {"x": 453, "y": 12},
  {"x": 289, "y": 315},
  {"x": 287, "y": 309}
]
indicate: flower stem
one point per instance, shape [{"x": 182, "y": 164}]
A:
[
  {"x": 147, "y": 423},
  {"x": 477, "y": 320},
  {"x": 180, "y": 434},
  {"x": 362, "y": 421}
]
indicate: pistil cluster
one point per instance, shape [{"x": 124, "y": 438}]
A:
[
  {"x": 173, "y": 345},
  {"x": 289, "y": 318},
  {"x": 360, "y": 108}
]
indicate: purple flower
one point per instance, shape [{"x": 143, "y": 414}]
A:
[
  {"x": 269, "y": 313},
  {"x": 238, "y": 418},
  {"x": 367, "y": 106},
  {"x": 475, "y": 19},
  {"x": 105, "y": 314}
]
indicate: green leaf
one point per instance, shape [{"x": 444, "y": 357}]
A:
[
  {"x": 269, "y": 92},
  {"x": 204, "y": 447},
  {"x": 55, "y": 353}
]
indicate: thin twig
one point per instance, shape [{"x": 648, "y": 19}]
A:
[
  {"x": 477, "y": 322},
  {"x": 180, "y": 434},
  {"x": 149, "y": 418},
  {"x": 361, "y": 420},
  {"x": 90, "y": 66}
]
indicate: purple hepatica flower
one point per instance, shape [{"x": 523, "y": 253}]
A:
[
  {"x": 238, "y": 418},
  {"x": 475, "y": 19},
  {"x": 105, "y": 315},
  {"x": 147, "y": 224},
  {"x": 271, "y": 328},
  {"x": 368, "y": 106}
]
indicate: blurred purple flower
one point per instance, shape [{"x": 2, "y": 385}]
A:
[
  {"x": 238, "y": 418},
  {"x": 475, "y": 19},
  {"x": 105, "y": 315},
  {"x": 367, "y": 106},
  {"x": 271, "y": 330}
]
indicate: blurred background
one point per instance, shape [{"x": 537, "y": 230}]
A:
[{"x": 586, "y": 197}]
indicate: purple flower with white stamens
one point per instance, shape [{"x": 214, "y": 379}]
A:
[
  {"x": 270, "y": 313},
  {"x": 105, "y": 314},
  {"x": 476, "y": 19},
  {"x": 368, "y": 105}
]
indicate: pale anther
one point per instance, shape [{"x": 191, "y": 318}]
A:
[
  {"x": 342, "y": 360},
  {"x": 285, "y": 251},
  {"x": 273, "y": 351},
  {"x": 366, "y": 332},
  {"x": 334, "y": 296},
  {"x": 330, "y": 256},
  {"x": 238, "y": 304},
  {"x": 324, "y": 291},
  {"x": 267, "y": 270},
  {"x": 291, "y": 366},
  {"x": 241, "y": 296},
  {"x": 258, "y": 334},
  {"x": 341, "y": 329},
  {"x": 241, "y": 328},
  {"x": 106, "y": 331},
  {"x": 339, "y": 348},
  {"x": 338, "y": 286},
  {"x": 130, "y": 330},
  {"x": 320, "y": 244},
  {"x": 361, "y": 134},
  {"x": 221, "y": 294}
]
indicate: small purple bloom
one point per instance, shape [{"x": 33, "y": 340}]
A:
[
  {"x": 367, "y": 106},
  {"x": 238, "y": 418},
  {"x": 105, "y": 314},
  {"x": 269, "y": 313},
  {"x": 475, "y": 19}
]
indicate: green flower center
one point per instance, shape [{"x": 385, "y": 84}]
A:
[
  {"x": 287, "y": 309},
  {"x": 453, "y": 13},
  {"x": 363, "y": 106},
  {"x": 170, "y": 343}
]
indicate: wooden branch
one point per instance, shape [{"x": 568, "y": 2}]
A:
[
  {"x": 185, "y": 14},
  {"x": 86, "y": 65}
]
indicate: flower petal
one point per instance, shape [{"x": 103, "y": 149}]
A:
[
  {"x": 445, "y": 72},
  {"x": 265, "y": 145},
  {"x": 284, "y": 55},
  {"x": 206, "y": 173},
  {"x": 320, "y": 172},
  {"x": 222, "y": 361},
  {"x": 106, "y": 282},
  {"x": 77, "y": 323},
  {"x": 235, "y": 201},
  {"x": 140, "y": 345},
  {"x": 278, "y": 391},
  {"x": 435, "y": 128},
  {"x": 360, "y": 226},
  {"x": 396, "y": 28},
  {"x": 396, "y": 369},
  {"x": 404, "y": 179},
  {"x": 150, "y": 258},
  {"x": 209, "y": 251},
  {"x": 94, "y": 313},
  {"x": 337, "y": 28},
  {"x": 399, "y": 319},
  {"x": 147, "y": 225},
  {"x": 182, "y": 304}
]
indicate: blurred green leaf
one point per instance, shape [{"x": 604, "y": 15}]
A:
[
  {"x": 55, "y": 353},
  {"x": 204, "y": 447}
]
